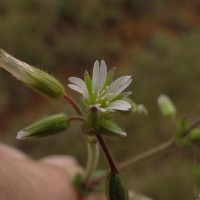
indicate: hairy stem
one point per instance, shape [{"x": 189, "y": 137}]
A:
[
  {"x": 74, "y": 105},
  {"x": 92, "y": 161},
  {"x": 76, "y": 118}
]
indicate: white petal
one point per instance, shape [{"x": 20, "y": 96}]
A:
[
  {"x": 102, "y": 75},
  {"x": 80, "y": 83},
  {"x": 16, "y": 67},
  {"x": 95, "y": 74},
  {"x": 141, "y": 109},
  {"x": 117, "y": 83},
  {"x": 121, "y": 88},
  {"x": 119, "y": 105},
  {"x": 22, "y": 134},
  {"x": 78, "y": 89},
  {"x": 128, "y": 93}
]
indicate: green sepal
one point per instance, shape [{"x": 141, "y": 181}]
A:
[
  {"x": 110, "y": 77},
  {"x": 110, "y": 128},
  {"x": 78, "y": 183},
  {"x": 88, "y": 82},
  {"x": 45, "y": 127},
  {"x": 44, "y": 84},
  {"x": 116, "y": 188},
  {"x": 92, "y": 121}
]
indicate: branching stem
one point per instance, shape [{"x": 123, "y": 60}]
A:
[
  {"x": 74, "y": 105},
  {"x": 76, "y": 118},
  {"x": 148, "y": 154},
  {"x": 162, "y": 148}
]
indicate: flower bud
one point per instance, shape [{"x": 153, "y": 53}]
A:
[
  {"x": 166, "y": 106},
  {"x": 194, "y": 135},
  {"x": 116, "y": 188},
  {"x": 45, "y": 127},
  {"x": 34, "y": 78}
]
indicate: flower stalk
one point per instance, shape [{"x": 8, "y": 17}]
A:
[
  {"x": 92, "y": 160},
  {"x": 162, "y": 148},
  {"x": 110, "y": 160},
  {"x": 74, "y": 105}
]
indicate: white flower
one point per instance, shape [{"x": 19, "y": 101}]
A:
[{"x": 100, "y": 91}]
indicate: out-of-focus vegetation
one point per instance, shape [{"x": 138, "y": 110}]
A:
[{"x": 158, "y": 42}]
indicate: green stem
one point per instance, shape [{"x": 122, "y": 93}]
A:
[
  {"x": 162, "y": 148},
  {"x": 76, "y": 118},
  {"x": 92, "y": 161}
]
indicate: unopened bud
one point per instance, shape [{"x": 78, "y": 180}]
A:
[
  {"x": 116, "y": 188},
  {"x": 34, "y": 78},
  {"x": 194, "y": 135},
  {"x": 166, "y": 106},
  {"x": 45, "y": 127}
]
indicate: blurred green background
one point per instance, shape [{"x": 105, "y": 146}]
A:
[{"x": 156, "y": 41}]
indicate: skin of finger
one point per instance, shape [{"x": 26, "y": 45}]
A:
[
  {"x": 96, "y": 197},
  {"x": 70, "y": 165},
  {"x": 10, "y": 153},
  {"x": 66, "y": 163},
  {"x": 31, "y": 180}
]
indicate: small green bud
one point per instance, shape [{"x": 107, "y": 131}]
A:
[
  {"x": 45, "y": 127},
  {"x": 116, "y": 188},
  {"x": 111, "y": 128},
  {"x": 135, "y": 108},
  {"x": 183, "y": 142},
  {"x": 194, "y": 135},
  {"x": 34, "y": 78},
  {"x": 166, "y": 106}
]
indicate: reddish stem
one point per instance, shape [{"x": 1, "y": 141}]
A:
[
  {"x": 111, "y": 163},
  {"x": 73, "y": 104}
]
